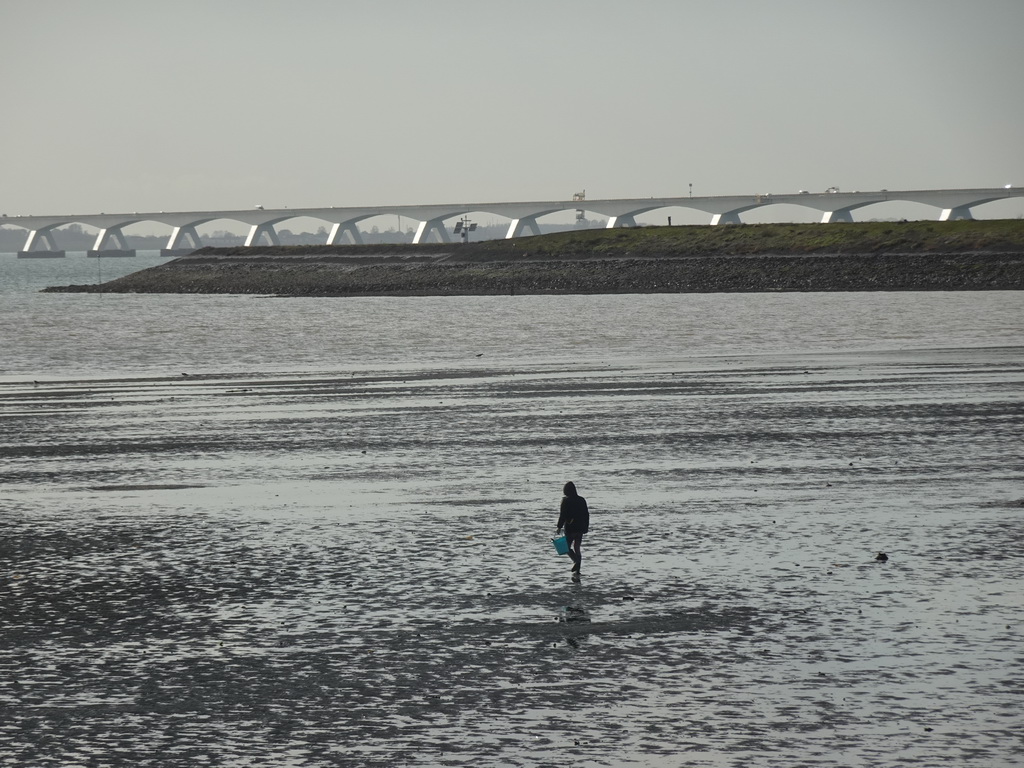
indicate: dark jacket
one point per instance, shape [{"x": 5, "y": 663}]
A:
[{"x": 574, "y": 515}]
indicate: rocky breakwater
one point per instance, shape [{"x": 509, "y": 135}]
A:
[{"x": 875, "y": 256}]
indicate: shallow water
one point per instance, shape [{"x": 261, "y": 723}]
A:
[
  {"x": 317, "y": 568},
  {"x": 250, "y": 531},
  {"x": 62, "y": 336}
]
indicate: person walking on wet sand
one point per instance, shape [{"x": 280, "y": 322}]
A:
[{"x": 574, "y": 517}]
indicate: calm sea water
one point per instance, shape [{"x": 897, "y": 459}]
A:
[
  {"x": 66, "y": 335},
  {"x": 315, "y": 532}
]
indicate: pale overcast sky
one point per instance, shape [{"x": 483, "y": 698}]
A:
[{"x": 133, "y": 105}]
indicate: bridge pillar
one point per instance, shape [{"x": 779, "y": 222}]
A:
[
  {"x": 842, "y": 215},
  {"x": 425, "y": 228},
  {"x": 620, "y": 221},
  {"x": 110, "y": 242},
  {"x": 347, "y": 228},
  {"x": 40, "y": 241},
  {"x": 729, "y": 217},
  {"x": 516, "y": 227},
  {"x": 259, "y": 231},
  {"x": 184, "y": 237},
  {"x": 960, "y": 213},
  {"x": 110, "y": 237}
]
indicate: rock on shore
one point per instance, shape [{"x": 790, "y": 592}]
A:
[{"x": 933, "y": 256}]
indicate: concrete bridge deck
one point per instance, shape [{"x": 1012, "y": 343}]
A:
[{"x": 834, "y": 206}]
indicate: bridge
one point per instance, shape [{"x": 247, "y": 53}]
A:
[{"x": 835, "y": 206}]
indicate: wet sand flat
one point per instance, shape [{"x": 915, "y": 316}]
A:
[{"x": 355, "y": 568}]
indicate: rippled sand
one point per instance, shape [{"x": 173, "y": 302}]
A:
[{"x": 356, "y": 569}]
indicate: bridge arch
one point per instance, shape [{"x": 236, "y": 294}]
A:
[
  {"x": 672, "y": 215},
  {"x": 523, "y": 216},
  {"x": 524, "y": 221},
  {"x": 783, "y": 211},
  {"x": 193, "y": 234},
  {"x": 897, "y": 210},
  {"x": 351, "y": 229},
  {"x": 1005, "y": 208}
]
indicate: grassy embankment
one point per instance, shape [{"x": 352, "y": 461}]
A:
[
  {"x": 661, "y": 242},
  {"x": 871, "y": 256}
]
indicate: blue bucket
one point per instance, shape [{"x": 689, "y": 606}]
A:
[{"x": 561, "y": 545}]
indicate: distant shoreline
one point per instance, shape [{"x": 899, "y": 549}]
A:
[{"x": 913, "y": 256}]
